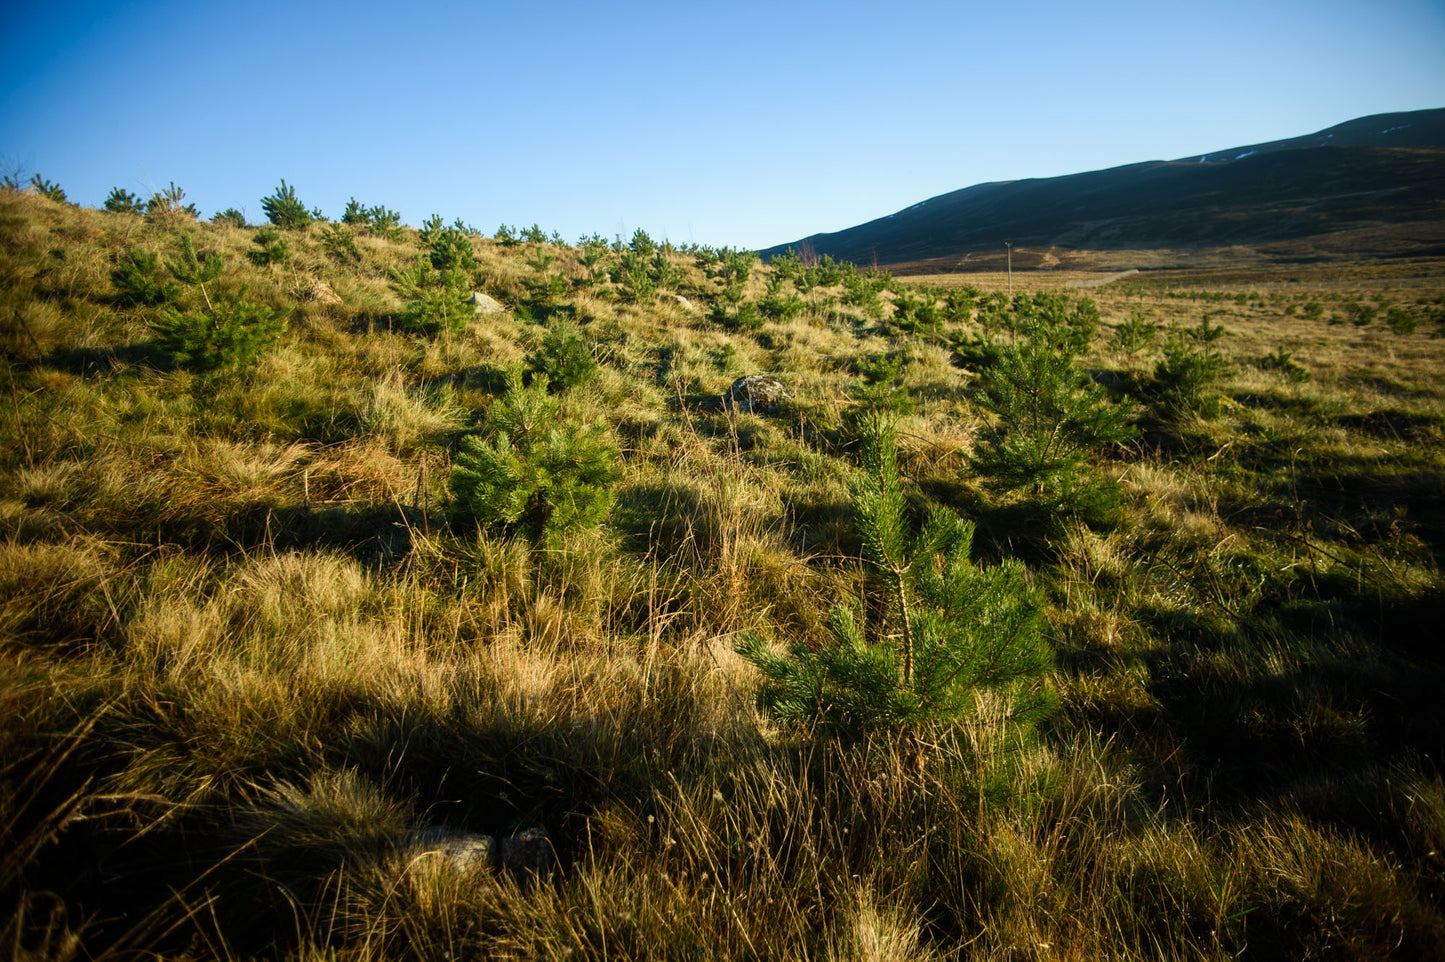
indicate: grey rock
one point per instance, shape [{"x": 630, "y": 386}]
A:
[
  {"x": 684, "y": 303},
  {"x": 318, "y": 291},
  {"x": 486, "y": 304},
  {"x": 465, "y": 850},
  {"x": 756, "y": 394},
  {"x": 529, "y": 850}
]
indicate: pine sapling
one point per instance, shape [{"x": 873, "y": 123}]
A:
[
  {"x": 228, "y": 332},
  {"x": 951, "y": 629},
  {"x": 285, "y": 210},
  {"x": 1046, "y": 417},
  {"x": 531, "y": 472},
  {"x": 121, "y": 201}
]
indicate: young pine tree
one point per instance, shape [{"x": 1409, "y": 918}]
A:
[
  {"x": 951, "y": 628},
  {"x": 1047, "y": 416},
  {"x": 224, "y": 333},
  {"x": 121, "y": 201},
  {"x": 531, "y": 472},
  {"x": 1186, "y": 380},
  {"x": 284, "y": 208},
  {"x": 138, "y": 282}
]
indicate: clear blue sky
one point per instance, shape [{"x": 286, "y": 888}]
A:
[{"x": 746, "y": 124}]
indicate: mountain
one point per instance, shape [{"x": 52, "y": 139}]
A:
[{"x": 1372, "y": 187}]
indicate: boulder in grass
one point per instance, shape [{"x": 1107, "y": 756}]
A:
[
  {"x": 465, "y": 850},
  {"x": 486, "y": 304},
  {"x": 756, "y": 394},
  {"x": 318, "y": 291},
  {"x": 529, "y": 850}
]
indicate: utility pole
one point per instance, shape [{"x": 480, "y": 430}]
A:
[{"x": 1010, "y": 248}]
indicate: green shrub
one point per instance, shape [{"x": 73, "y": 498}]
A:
[
  {"x": 434, "y": 301},
  {"x": 731, "y": 267},
  {"x": 1361, "y": 315},
  {"x": 1282, "y": 361},
  {"x": 563, "y": 358},
  {"x": 532, "y": 472},
  {"x": 550, "y": 288},
  {"x": 121, "y": 201},
  {"x": 223, "y": 332},
  {"x": 1185, "y": 380},
  {"x": 1047, "y": 416},
  {"x": 137, "y": 280},
  {"x": 47, "y": 188},
  {"x": 787, "y": 265},
  {"x": 168, "y": 206},
  {"x": 340, "y": 244},
  {"x": 1400, "y": 321},
  {"x": 196, "y": 270},
  {"x": 950, "y": 629},
  {"x": 829, "y": 272},
  {"x": 633, "y": 277},
  {"x": 377, "y": 221},
  {"x": 593, "y": 255},
  {"x": 665, "y": 274},
  {"x": 745, "y": 317},
  {"x": 1135, "y": 334},
  {"x": 780, "y": 307},
  {"x": 274, "y": 248},
  {"x": 861, "y": 292},
  {"x": 230, "y": 333},
  {"x": 449, "y": 248},
  {"x": 913, "y": 315},
  {"x": 285, "y": 210},
  {"x": 642, "y": 244},
  {"x": 230, "y": 216},
  {"x": 882, "y": 387}
]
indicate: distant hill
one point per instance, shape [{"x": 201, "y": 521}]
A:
[{"x": 1373, "y": 187}]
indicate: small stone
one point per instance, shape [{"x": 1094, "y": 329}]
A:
[
  {"x": 684, "y": 303},
  {"x": 320, "y": 292},
  {"x": 529, "y": 850},
  {"x": 465, "y": 850},
  {"x": 486, "y": 304},
  {"x": 756, "y": 394}
]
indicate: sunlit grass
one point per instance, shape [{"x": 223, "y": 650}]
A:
[{"x": 250, "y": 646}]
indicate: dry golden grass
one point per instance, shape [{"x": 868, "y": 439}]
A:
[{"x": 249, "y": 642}]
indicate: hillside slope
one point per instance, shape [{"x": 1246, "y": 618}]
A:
[
  {"x": 340, "y": 621},
  {"x": 1380, "y": 179}
]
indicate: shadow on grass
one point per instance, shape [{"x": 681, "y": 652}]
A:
[{"x": 1330, "y": 684}]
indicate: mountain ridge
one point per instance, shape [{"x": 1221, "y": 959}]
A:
[{"x": 1307, "y": 193}]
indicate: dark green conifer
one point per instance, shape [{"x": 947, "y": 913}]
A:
[
  {"x": 532, "y": 472},
  {"x": 951, "y": 628},
  {"x": 285, "y": 210},
  {"x": 224, "y": 332}
]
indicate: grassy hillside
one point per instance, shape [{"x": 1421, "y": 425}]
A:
[
  {"x": 1371, "y": 188},
  {"x": 261, "y": 620}
]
